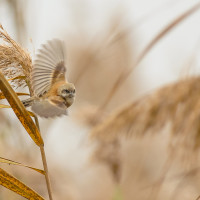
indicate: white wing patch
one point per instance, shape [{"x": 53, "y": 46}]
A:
[{"x": 47, "y": 59}]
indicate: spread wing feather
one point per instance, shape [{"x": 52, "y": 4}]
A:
[{"x": 47, "y": 66}]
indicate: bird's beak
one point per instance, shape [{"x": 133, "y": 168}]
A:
[{"x": 71, "y": 95}]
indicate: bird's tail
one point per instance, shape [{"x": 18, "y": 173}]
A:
[{"x": 28, "y": 102}]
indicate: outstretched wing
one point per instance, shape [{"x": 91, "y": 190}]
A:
[{"x": 48, "y": 67}]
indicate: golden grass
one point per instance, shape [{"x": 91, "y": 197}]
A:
[{"x": 16, "y": 64}]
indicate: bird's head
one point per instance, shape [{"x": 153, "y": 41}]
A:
[{"x": 67, "y": 92}]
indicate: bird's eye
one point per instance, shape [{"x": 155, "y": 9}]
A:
[{"x": 65, "y": 91}]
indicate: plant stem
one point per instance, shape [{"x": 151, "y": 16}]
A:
[
  {"x": 44, "y": 161},
  {"x": 46, "y": 172},
  {"x": 37, "y": 122}
]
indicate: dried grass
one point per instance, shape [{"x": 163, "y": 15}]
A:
[
  {"x": 126, "y": 73},
  {"x": 15, "y": 61},
  {"x": 96, "y": 66},
  {"x": 16, "y": 64},
  {"x": 176, "y": 105}
]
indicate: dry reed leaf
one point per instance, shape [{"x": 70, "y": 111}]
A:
[
  {"x": 15, "y": 61},
  {"x": 18, "y": 94},
  {"x": 176, "y": 105},
  {"x": 4, "y": 160},
  {"x": 4, "y": 106},
  {"x": 17, "y": 186},
  {"x": 17, "y": 77},
  {"x": 20, "y": 111},
  {"x": 119, "y": 82}
]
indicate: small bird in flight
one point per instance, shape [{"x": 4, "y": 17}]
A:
[{"x": 53, "y": 94}]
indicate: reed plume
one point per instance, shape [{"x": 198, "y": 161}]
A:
[
  {"x": 175, "y": 105},
  {"x": 15, "y": 61}
]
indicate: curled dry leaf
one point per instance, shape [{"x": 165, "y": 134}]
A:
[
  {"x": 17, "y": 186},
  {"x": 4, "y": 160},
  {"x": 20, "y": 111}
]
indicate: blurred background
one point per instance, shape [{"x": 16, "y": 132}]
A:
[{"x": 103, "y": 38}]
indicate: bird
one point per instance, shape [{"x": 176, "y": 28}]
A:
[{"x": 52, "y": 93}]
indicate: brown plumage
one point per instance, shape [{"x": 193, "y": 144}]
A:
[{"x": 53, "y": 94}]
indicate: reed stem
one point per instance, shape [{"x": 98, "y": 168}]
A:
[
  {"x": 44, "y": 161},
  {"x": 46, "y": 172}
]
